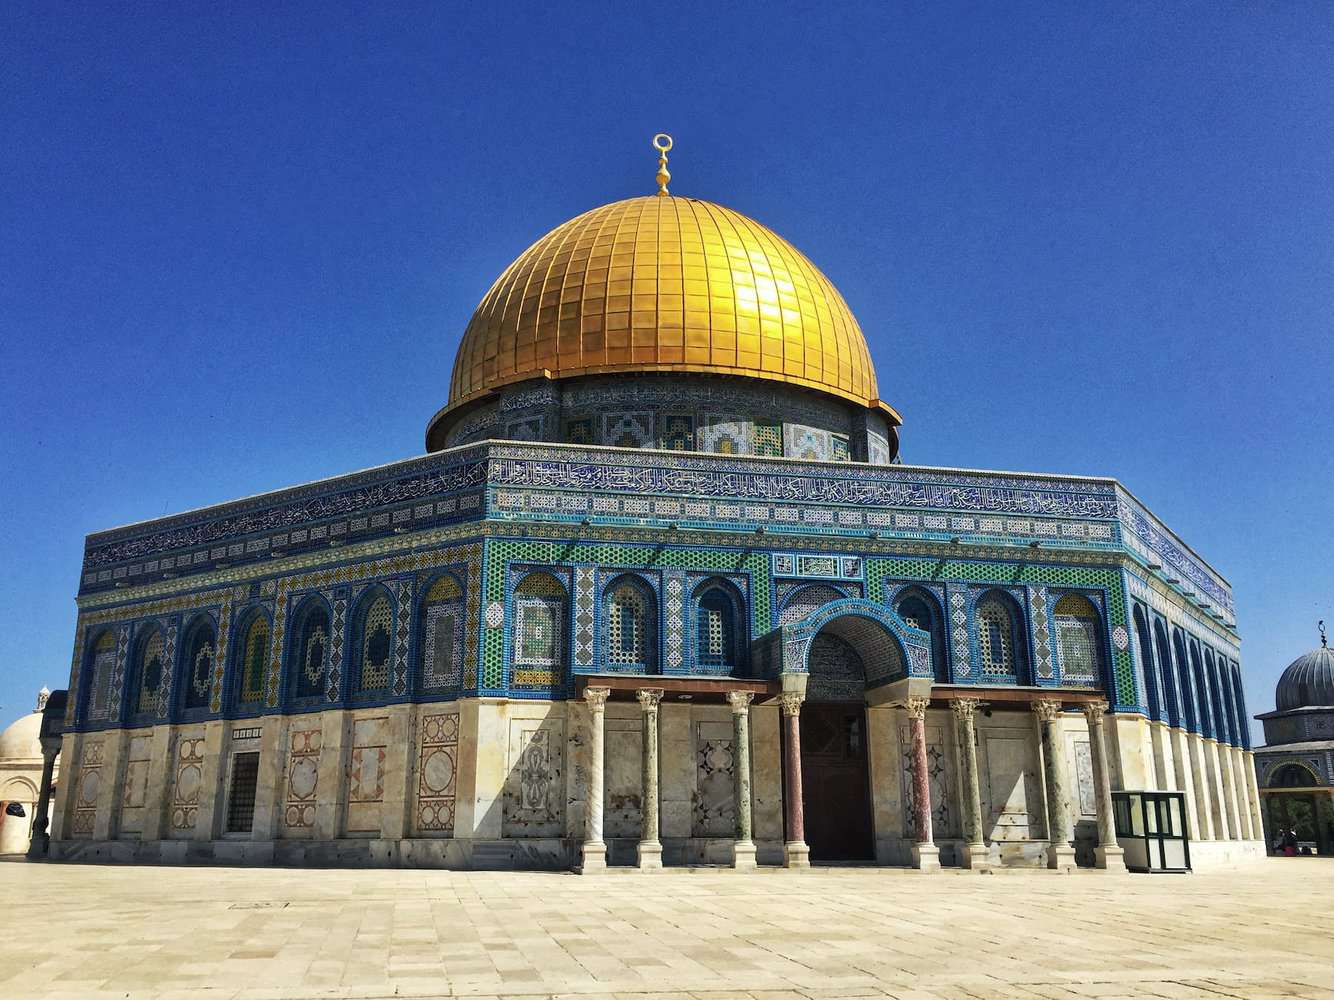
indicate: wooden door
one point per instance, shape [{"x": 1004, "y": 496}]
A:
[{"x": 835, "y": 782}]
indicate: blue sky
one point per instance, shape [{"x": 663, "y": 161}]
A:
[{"x": 237, "y": 250}]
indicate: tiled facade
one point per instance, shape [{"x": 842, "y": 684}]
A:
[{"x": 474, "y": 588}]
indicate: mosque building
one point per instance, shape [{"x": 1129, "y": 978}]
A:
[
  {"x": 658, "y": 593},
  {"x": 1295, "y": 767}
]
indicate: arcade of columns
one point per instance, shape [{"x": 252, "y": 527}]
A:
[{"x": 1061, "y": 854}]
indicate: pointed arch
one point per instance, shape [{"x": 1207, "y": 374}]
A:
[
  {"x": 802, "y": 601},
  {"x": 541, "y": 611},
  {"x": 150, "y": 672},
  {"x": 630, "y": 626},
  {"x": 441, "y": 635},
  {"x": 250, "y": 659},
  {"x": 1201, "y": 683},
  {"x": 920, "y": 608},
  {"x": 719, "y": 627},
  {"x": 372, "y": 642},
  {"x": 99, "y": 666},
  {"x": 308, "y": 650},
  {"x": 1079, "y": 643},
  {"x": 1170, "y": 682},
  {"x": 1002, "y": 640},
  {"x": 1191, "y": 720},
  {"x": 1148, "y": 665},
  {"x": 199, "y": 650}
]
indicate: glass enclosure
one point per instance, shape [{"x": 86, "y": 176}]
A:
[{"x": 1151, "y": 829}]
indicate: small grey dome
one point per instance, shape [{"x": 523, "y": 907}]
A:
[{"x": 1308, "y": 681}]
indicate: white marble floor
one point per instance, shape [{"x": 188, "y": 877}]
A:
[{"x": 1263, "y": 930}]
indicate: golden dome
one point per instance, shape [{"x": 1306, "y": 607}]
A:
[{"x": 663, "y": 284}]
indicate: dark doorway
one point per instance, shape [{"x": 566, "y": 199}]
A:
[{"x": 835, "y": 781}]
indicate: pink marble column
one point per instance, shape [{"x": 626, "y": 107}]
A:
[
  {"x": 797, "y": 854},
  {"x": 925, "y": 854}
]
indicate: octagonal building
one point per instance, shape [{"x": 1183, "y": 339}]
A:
[{"x": 658, "y": 593}]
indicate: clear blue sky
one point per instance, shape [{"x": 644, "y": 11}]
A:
[{"x": 237, "y": 251}]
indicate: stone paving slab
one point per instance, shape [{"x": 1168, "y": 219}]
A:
[{"x": 95, "y": 932}]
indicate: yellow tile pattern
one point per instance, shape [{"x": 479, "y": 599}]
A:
[{"x": 664, "y": 284}]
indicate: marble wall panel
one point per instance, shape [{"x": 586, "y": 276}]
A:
[
  {"x": 534, "y": 799},
  {"x": 437, "y": 775},
  {"x": 366, "y": 776}
]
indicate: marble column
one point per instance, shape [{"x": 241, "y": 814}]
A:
[
  {"x": 925, "y": 853},
  {"x": 743, "y": 848},
  {"x": 975, "y": 853},
  {"x": 1060, "y": 853},
  {"x": 650, "y": 847},
  {"x": 41, "y": 838},
  {"x": 1108, "y": 853},
  {"x": 795, "y": 851},
  {"x": 595, "y": 850}
]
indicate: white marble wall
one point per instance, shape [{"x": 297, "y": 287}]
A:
[{"x": 500, "y": 783}]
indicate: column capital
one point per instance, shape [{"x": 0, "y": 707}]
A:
[
  {"x": 790, "y": 703},
  {"x": 648, "y": 698},
  {"x": 916, "y": 707},
  {"x": 965, "y": 708},
  {"x": 1046, "y": 709},
  {"x": 597, "y": 697},
  {"x": 1094, "y": 711},
  {"x": 740, "y": 701}
]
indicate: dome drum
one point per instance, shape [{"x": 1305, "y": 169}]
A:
[{"x": 678, "y": 412}]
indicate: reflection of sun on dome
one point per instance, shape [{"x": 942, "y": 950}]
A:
[{"x": 663, "y": 285}]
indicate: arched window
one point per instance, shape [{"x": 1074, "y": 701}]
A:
[
  {"x": 1183, "y": 677},
  {"x": 539, "y": 623},
  {"x": 374, "y": 633},
  {"x": 1000, "y": 639},
  {"x": 718, "y": 628},
  {"x": 1147, "y": 664},
  {"x": 807, "y": 599},
  {"x": 631, "y": 617},
  {"x": 309, "y": 661},
  {"x": 1078, "y": 639},
  {"x": 1217, "y": 700},
  {"x": 1170, "y": 683},
  {"x": 252, "y": 662},
  {"x": 1201, "y": 689},
  {"x": 919, "y": 609},
  {"x": 1239, "y": 699},
  {"x": 442, "y": 635},
  {"x": 201, "y": 645},
  {"x": 101, "y": 665},
  {"x": 150, "y": 670}
]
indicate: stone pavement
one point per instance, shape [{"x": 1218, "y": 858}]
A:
[{"x": 87, "y": 931}]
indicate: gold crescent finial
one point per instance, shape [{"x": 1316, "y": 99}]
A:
[{"x": 662, "y": 142}]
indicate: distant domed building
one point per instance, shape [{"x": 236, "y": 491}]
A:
[
  {"x": 1296, "y": 764},
  {"x": 659, "y": 592},
  {"x": 21, "y": 778}
]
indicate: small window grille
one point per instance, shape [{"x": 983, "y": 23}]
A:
[
  {"x": 375, "y": 645},
  {"x": 994, "y": 640},
  {"x": 627, "y": 639},
  {"x": 241, "y": 801},
  {"x": 254, "y": 661}
]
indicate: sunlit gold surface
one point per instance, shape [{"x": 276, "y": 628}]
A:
[{"x": 664, "y": 284}]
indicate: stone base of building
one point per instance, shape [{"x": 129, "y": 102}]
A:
[
  {"x": 553, "y": 854},
  {"x": 1213, "y": 854}
]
